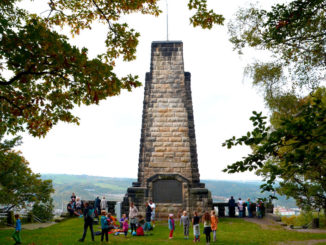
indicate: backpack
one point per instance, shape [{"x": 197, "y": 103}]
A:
[
  {"x": 91, "y": 213},
  {"x": 140, "y": 231}
]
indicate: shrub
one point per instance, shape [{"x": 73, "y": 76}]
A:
[
  {"x": 43, "y": 211},
  {"x": 304, "y": 218}
]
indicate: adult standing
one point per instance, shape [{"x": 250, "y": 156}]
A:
[
  {"x": 98, "y": 205},
  {"x": 249, "y": 208},
  {"x": 231, "y": 207},
  {"x": 88, "y": 221},
  {"x": 240, "y": 207},
  {"x": 73, "y": 197},
  {"x": 133, "y": 213},
  {"x": 260, "y": 209},
  {"x": 153, "y": 207},
  {"x": 263, "y": 209},
  {"x": 103, "y": 204}
]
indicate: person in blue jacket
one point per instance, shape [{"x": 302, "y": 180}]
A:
[
  {"x": 104, "y": 226},
  {"x": 18, "y": 228}
]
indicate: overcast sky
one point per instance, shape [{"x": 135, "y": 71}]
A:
[{"x": 107, "y": 141}]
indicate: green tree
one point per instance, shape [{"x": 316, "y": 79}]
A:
[
  {"x": 292, "y": 152},
  {"x": 294, "y": 33},
  {"x": 43, "y": 76},
  {"x": 18, "y": 184}
]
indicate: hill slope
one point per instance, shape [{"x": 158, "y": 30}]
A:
[{"x": 88, "y": 187}]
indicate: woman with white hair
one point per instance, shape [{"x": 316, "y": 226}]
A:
[{"x": 103, "y": 203}]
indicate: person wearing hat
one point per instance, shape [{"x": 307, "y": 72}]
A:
[{"x": 171, "y": 225}]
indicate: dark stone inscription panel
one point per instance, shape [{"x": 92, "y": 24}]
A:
[{"x": 167, "y": 191}]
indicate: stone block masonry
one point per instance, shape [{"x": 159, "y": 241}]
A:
[
  {"x": 168, "y": 154},
  {"x": 168, "y": 134}
]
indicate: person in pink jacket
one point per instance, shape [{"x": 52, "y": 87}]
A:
[{"x": 125, "y": 226}]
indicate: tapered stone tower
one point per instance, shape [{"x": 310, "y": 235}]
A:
[{"x": 168, "y": 169}]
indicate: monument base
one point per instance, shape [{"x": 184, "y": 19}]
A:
[{"x": 172, "y": 193}]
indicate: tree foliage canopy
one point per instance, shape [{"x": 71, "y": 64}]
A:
[
  {"x": 294, "y": 33},
  {"x": 292, "y": 152},
  {"x": 43, "y": 76},
  {"x": 18, "y": 184}
]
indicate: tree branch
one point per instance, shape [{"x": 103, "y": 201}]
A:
[
  {"x": 16, "y": 77},
  {"x": 11, "y": 103},
  {"x": 10, "y": 207},
  {"x": 101, "y": 11},
  {"x": 28, "y": 72}
]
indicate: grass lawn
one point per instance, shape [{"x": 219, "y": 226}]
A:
[{"x": 230, "y": 232}]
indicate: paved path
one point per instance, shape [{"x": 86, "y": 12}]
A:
[
  {"x": 266, "y": 223},
  {"x": 272, "y": 225},
  {"x": 34, "y": 226}
]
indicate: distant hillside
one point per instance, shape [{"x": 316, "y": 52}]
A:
[
  {"x": 88, "y": 187},
  {"x": 243, "y": 189}
]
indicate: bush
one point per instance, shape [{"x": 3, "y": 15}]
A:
[
  {"x": 43, "y": 211},
  {"x": 289, "y": 220},
  {"x": 304, "y": 218}
]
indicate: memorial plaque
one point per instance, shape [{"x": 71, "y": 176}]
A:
[{"x": 167, "y": 191}]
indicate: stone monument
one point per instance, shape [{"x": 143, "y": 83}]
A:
[{"x": 168, "y": 169}]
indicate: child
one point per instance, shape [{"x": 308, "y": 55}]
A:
[
  {"x": 148, "y": 216},
  {"x": 113, "y": 223},
  {"x": 124, "y": 216},
  {"x": 18, "y": 227},
  {"x": 207, "y": 227},
  {"x": 185, "y": 221},
  {"x": 104, "y": 226},
  {"x": 171, "y": 225},
  {"x": 125, "y": 226},
  {"x": 214, "y": 222},
  {"x": 195, "y": 226},
  {"x": 141, "y": 221}
]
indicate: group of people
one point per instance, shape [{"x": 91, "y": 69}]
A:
[
  {"x": 100, "y": 204},
  {"x": 75, "y": 206},
  {"x": 210, "y": 221},
  {"x": 138, "y": 225},
  {"x": 253, "y": 209}
]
